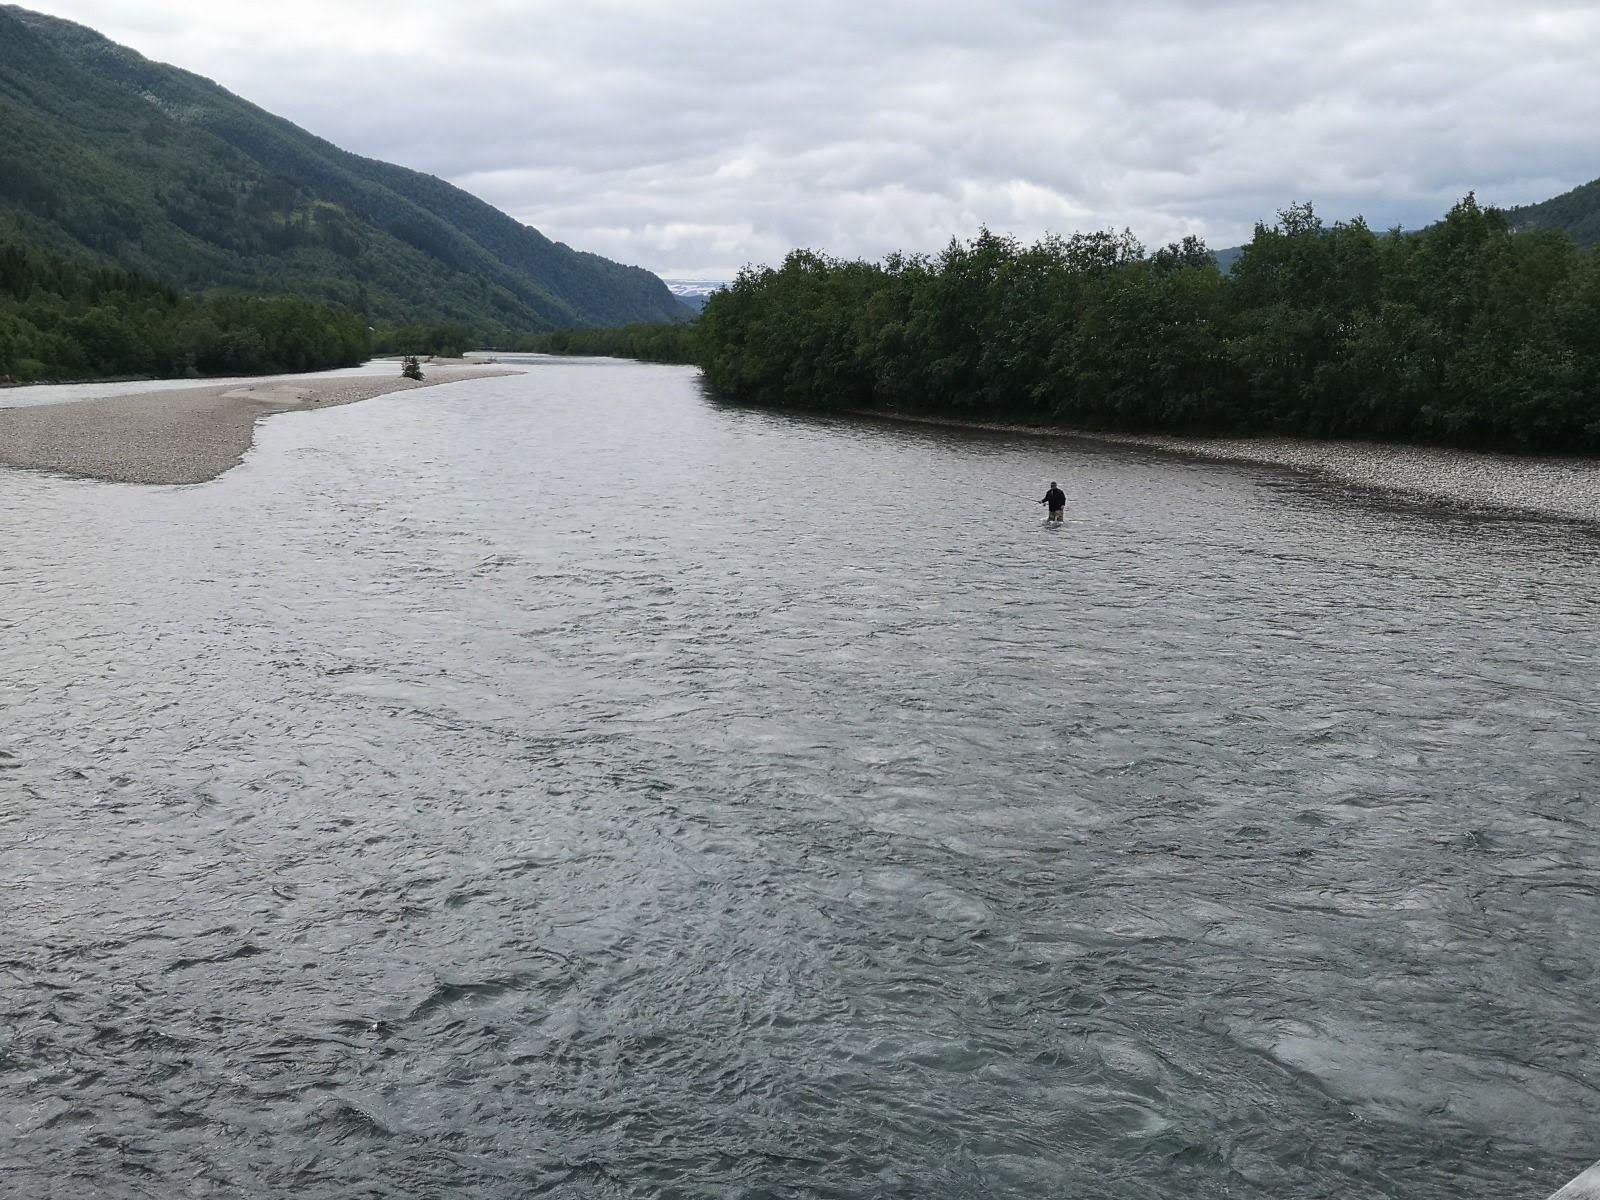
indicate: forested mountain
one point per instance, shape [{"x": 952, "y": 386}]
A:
[
  {"x": 110, "y": 157},
  {"x": 1577, "y": 212},
  {"x": 65, "y": 319}
]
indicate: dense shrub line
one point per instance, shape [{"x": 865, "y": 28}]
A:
[
  {"x": 64, "y": 319},
  {"x": 1465, "y": 333},
  {"x": 447, "y": 339},
  {"x": 651, "y": 343}
]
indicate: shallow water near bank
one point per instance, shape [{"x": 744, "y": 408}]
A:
[{"x": 565, "y": 782}]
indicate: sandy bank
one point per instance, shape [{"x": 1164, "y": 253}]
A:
[
  {"x": 178, "y": 435},
  {"x": 1584, "y": 1187},
  {"x": 1547, "y": 485}
]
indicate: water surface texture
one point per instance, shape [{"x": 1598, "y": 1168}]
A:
[{"x": 566, "y": 785}]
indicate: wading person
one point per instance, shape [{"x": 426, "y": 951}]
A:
[{"x": 1056, "y": 500}]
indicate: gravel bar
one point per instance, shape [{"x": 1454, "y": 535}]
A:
[
  {"x": 1547, "y": 485},
  {"x": 177, "y": 436}
]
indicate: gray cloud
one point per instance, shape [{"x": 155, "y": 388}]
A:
[{"x": 696, "y": 136}]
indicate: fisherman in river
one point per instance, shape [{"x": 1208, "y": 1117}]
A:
[{"x": 1056, "y": 499}]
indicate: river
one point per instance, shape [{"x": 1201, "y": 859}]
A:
[{"x": 565, "y": 784}]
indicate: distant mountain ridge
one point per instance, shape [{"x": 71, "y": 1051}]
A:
[
  {"x": 1577, "y": 212},
  {"x": 693, "y": 293},
  {"x": 107, "y": 154}
]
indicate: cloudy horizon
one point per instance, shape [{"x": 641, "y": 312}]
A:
[{"x": 697, "y": 138}]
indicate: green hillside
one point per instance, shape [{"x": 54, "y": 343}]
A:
[
  {"x": 1577, "y": 211},
  {"x": 108, "y": 155},
  {"x": 65, "y": 319}
]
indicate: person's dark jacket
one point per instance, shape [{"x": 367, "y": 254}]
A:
[{"x": 1055, "y": 498}]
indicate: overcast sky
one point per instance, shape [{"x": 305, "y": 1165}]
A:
[{"x": 694, "y": 136}]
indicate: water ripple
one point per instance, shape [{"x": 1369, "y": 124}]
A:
[{"x": 565, "y": 785}]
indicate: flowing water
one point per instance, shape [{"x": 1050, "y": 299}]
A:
[{"x": 566, "y": 785}]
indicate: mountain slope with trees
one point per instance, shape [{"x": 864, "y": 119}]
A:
[
  {"x": 122, "y": 161},
  {"x": 1576, "y": 212},
  {"x": 63, "y": 319}
]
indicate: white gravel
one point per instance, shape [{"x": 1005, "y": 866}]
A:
[
  {"x": 29, "y": 395},
  {"x": 181, "y": 434},
  {"x": 1545, "y": 484}
]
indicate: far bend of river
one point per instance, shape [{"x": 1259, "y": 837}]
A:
[{"x": 566, "y": 785}]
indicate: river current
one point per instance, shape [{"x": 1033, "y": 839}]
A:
[{"x": 568, "y": 785}]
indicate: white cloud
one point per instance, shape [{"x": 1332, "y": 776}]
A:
[{"x": 695, "y": 136}]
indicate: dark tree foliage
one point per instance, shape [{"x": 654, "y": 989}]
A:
[
  {"x": 1464, "y": 333},
  {"x": 651, "y": 343},
  {"x": 444, "y": 339},
  {"x": 1577, "y": 211},
  {"x": 61, "y": 319}
]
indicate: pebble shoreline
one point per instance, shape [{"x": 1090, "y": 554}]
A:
[
  {"x": 1547, "y": 485},
  {"x": 178, "y": 436}
]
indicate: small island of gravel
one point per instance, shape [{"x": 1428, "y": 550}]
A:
[{"x": 178, "y": 436}]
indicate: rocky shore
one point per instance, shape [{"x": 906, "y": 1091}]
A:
[
  {"x": 1544, "y": 484},
  {"x": 1547, "y": 485},
  {"x": 178, "y": 436}
]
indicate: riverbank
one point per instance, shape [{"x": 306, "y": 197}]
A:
[
  {"x": 1547, "y": 485},
  {"x": 178, "y": 436},
  {"x": 1584, "y": 1187}
]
